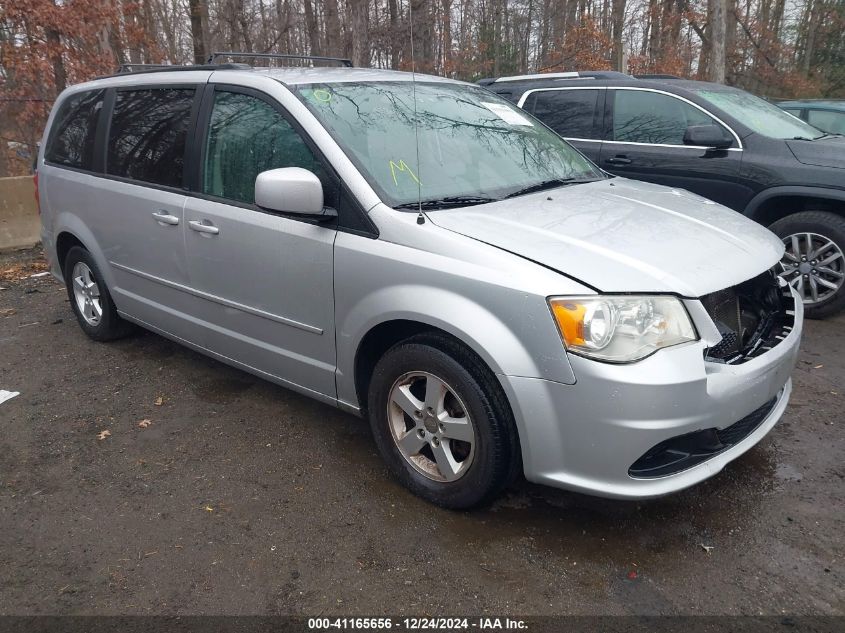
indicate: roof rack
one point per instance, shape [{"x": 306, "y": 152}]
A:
[
  {"x": 131, "y": 68},
  {"x": 656, "y": 76},
  {"x": 341, "y": 60},
  {"x": 162, "y": 68},
  {"x": 588, "y": 74}
]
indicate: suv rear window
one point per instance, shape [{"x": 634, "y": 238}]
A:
[
  {"x": 148, "y": 132},
  {"x": 570, "y": 113},
  {"x": 72, "y": 143}
]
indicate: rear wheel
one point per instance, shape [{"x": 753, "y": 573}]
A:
[
  {"x": 814, "y": 261},
  {"x": 90, "y": 298},
  {"x": 441, "y": 422}
]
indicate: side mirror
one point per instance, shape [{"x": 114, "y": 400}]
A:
[
  {"x": 291, "y": 190},
  {"x": 712, "y": 136}
]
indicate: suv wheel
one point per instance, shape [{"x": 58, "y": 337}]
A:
[
  {"x": 90, "y": 299},
  {"x": 441, "y": 422},
  {"x": 814, "y": 261}
]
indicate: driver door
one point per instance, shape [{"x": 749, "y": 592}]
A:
[{"x": 645, "y": 141}]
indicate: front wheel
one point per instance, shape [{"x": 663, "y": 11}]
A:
[
  {"x": 441, "y": 422},
  {"x": 814, "y": 260}
]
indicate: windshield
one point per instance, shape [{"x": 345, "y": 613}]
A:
[
  {"x": 760, "y": 115},
  {"x": 473, "y": 146}
]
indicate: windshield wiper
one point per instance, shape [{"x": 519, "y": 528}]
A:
[
  {"x": 549, "y": 184},
  {"x": 449, "y": 202}
]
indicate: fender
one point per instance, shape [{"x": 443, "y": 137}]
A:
[
  {"x": 66, "y": 222},
  {"x": 496, "y": 343},
  {"x": 752, "y": 208}
]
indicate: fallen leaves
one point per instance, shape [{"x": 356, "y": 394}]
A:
[
  {"x": 103, "y": 434},
  {"x": 145, "y": 423},
  {"x": 24, "y": 270},
  {"x": 159, "y": 401},
  {"x": 6, "y": 312},
  {"x": 707, "y": 548}
]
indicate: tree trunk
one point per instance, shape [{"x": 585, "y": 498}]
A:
[
  {"x": 716, "y": 66},
  {"x": 394, "y": 35},
  {"x": 447, "y": 35},
  {"x": 617, "y": 21},
  {"x": 56, "y": 60},
  {"x": 312, "y": 28},
  {"x": 334, "y": 39},
  {"x": 730, "y": 39},
  {"x": 360, "y": 32},
  {"x": 200, "y": 50}
]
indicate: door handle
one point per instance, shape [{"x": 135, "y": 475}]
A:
[
  {"x": 201, "y": 227},
  {"x": 618, "y": 160},
  {"x": 163, "y": 217}
]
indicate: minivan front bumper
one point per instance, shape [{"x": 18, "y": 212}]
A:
[{"x": 586, "y": 436}]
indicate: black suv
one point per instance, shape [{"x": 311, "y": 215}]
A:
[{"x": 720, "y": 142}]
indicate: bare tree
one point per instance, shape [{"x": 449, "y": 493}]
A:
[{"x": 716, "y": 66}]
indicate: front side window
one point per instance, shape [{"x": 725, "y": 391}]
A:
[
  {"x": 827, "y": 121},
  {"x": 247, "y": 136},
  {"x": 149, "y": 129},
  {"x": 442, "y": 144},
  {"x": 761, "y": 116},
  {"x": 570, "y": 113},
  {"x": 72, "y": 143},
  {"x": 651, "y": 117}
]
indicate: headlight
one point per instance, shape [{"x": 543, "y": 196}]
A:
[{"x": 621, "y": 329}]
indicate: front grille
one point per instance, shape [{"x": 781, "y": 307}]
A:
[
  {"x": 685, "y": 451},
  {"x": 752, "y": 317}
]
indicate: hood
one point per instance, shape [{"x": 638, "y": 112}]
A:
[
  {"x": 620, "y": 235},
  {"x": 825, "y": 152}
]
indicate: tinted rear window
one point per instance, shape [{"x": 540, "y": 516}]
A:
[
  {"x": 570, "y": 113},
  {"x": 148, "y": 132},
  {"x": 72, "y": 142}
]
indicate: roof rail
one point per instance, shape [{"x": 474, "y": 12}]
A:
[
  {"x": 166, "y": 68},
  {"x": 656, "y": 76},
  {"x": 131, "y": 68},
  {"x": 588, "y": 74},
  {"x": 314, "y": 58}
]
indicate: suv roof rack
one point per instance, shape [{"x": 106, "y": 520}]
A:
[
  {"x": 583, "y": 74},
  {"x": 160, "y": 68},
  {"x": 130, "y": 68},
  {"x": 656, "y": 76},
  {"x": 314, "y": 58}
]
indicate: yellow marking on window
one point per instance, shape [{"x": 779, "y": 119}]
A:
[{"x": 402, "y": 166}]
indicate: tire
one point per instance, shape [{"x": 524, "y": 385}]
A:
[
  {"x": 486, "y": 464},
  {"x": 820, "y": 225},
  {"x": 97, "y": 316}
]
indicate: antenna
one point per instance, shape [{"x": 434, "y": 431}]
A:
[{"x": 421, "y": 216}]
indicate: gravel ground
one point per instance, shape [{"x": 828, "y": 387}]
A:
[{"x": 240, "y": 497}]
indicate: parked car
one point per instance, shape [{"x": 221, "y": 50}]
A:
[
  {"x": 716, "y": 141},
  {"x": 826, "y": 115},
  {"x": 423, "y": 253}
]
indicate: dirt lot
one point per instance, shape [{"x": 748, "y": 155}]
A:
[{"x": 241, "y": 497}]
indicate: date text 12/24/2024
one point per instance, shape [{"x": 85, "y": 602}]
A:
[{"x": 416, "y": 624}]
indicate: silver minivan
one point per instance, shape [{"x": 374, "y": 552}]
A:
[{"x": 421, "y": 252}]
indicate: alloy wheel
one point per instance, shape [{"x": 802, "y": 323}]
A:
[
  {"x": 814, "y": 265},
  {"x": 431, "y": 426},
  {"x": 86, "y": 293}
]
